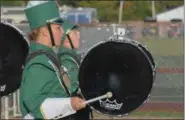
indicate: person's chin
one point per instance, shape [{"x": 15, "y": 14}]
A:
[
  {"x": 58, "y": 45},
  {"x": 77, "y": 47}
]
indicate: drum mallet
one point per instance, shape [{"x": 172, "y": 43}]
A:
[{"x": 107, "y": 95}]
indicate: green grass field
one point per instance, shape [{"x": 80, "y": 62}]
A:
[
  {"x": 144, "y": 115},
  {"x": 165, "y": 47},
  {"x": 158, "y": 114}
]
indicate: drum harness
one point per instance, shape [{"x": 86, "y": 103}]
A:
[{"x": 56, "y": 61}]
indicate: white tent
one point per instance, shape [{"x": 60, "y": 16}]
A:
[{"x": 176, "y": 13}]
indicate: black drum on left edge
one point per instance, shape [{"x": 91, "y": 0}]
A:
[{"x": 13, "y": 52}]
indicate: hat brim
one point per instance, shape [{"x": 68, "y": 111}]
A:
[
  {"x": 74, "y": 27},
  {"x": 56, "y": 21}
]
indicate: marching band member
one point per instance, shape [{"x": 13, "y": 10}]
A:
[
  {"x": 70, "y": 63},
  {"x": 42, "y": 92}
]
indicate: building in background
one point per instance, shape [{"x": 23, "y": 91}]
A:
[
  {"x": 173, "y": 14},
  {"x": 81, "y": 15},
  {"x": 13, "y": 14}
]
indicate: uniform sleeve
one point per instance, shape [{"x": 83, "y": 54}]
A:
[
  {"x": 72, "y": 70},
  {"x": 39, "y": 101}
]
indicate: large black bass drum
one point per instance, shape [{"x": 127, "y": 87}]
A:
[
  {"x": 121, "y": 66},
  {"x": 13, "y": 51}
]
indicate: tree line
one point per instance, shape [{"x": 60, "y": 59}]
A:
[{"x": 108, "y": 11}]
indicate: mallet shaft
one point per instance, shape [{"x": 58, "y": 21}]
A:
[{"x": 107, "y": 95}]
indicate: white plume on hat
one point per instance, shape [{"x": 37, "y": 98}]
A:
[{"x": 32, "y": 3}]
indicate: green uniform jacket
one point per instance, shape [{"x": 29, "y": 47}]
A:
[
  {"x": 69, "y": 61},
  {"x": 40, "y": 81}
]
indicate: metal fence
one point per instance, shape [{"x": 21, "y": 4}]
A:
[{"x": 164, "y": 41}]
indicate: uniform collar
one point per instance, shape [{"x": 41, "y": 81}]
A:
[
  {"x": 63, "y": 49},
  {"x": 37, "y": 46}
]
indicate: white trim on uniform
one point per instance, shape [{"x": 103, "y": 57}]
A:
[{"x": 57, "y": 73}]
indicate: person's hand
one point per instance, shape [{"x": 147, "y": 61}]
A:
[{"x": 77, "y": 103}]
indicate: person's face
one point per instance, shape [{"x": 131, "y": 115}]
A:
[
  {"x": 75, "y": 38},
  {"x": 57, "y": 33}
]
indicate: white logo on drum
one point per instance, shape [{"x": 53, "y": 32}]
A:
[
  {"x": 2, "y": 88},
  {"x": 110, "y": 105}
]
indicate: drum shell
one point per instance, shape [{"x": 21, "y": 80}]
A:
[
  {"x": 13, "y": 51},
  {"x": 94, "y": 82}
]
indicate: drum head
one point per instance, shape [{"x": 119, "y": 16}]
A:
[
  {"x": 13, "y": 51},
  {"x": 124, "y": 68}
]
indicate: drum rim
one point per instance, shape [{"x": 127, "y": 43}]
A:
[
  {"x": 17, "y": 29},
  {"x": 126, "y": 40},
  {"x": 115, "y": 38}
]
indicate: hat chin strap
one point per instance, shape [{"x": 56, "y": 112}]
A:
[
  {"x": 70, "y": 41},
  {"x": 51, "y": 34}
]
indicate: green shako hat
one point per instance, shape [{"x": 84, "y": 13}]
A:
[
  {"x": 67, "y": 27},
  {"x": 39, "y": 13}
]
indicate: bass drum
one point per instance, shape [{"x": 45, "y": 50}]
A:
[
  {"x": 13, "y": 52},
  {"x": 123, "y": 67}
]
